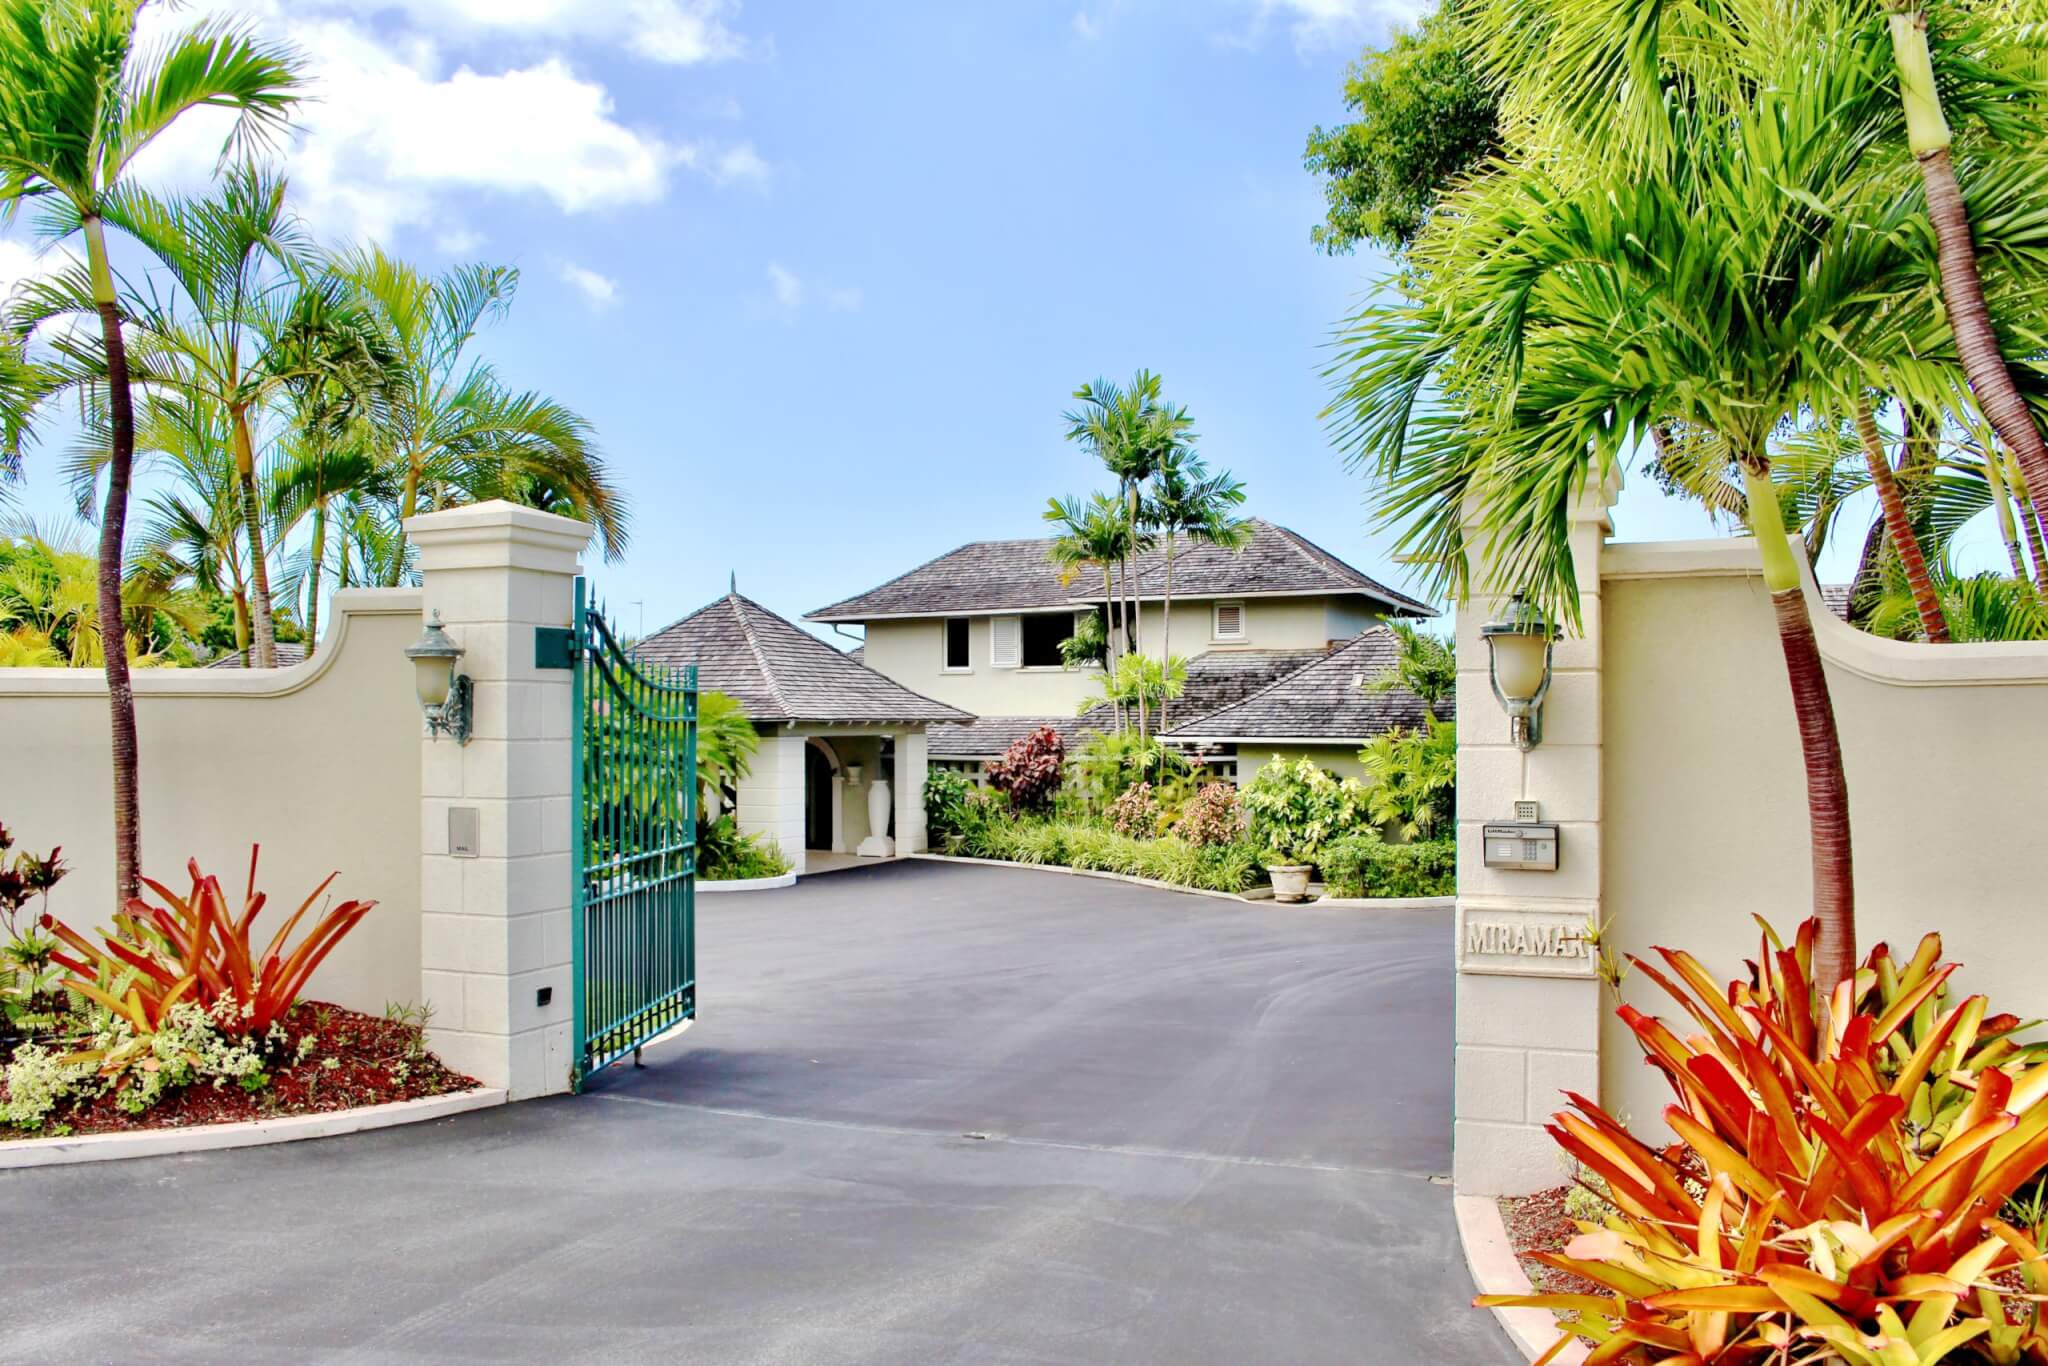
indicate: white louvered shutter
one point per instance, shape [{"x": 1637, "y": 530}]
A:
[
  {"x": 1005, "y": 642},
  {"x": 1230, "y": 621}
]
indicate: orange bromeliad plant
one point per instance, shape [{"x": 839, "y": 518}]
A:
[
  {"x": 193, "y": 948},
  {"x": 1834, "y": 1193}
]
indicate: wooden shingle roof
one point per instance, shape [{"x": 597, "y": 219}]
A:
[
  {"x": 1018, "y": 576},
  {"x": 1322, "y": 702},
  {"x": 779, "y": 672}
]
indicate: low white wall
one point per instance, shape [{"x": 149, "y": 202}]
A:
[
  {"x": 1946, "y": 748},
  {"x": 320, "y": 764}
]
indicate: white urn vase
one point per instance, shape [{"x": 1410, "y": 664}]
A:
[{"x": 877, "y": 844}]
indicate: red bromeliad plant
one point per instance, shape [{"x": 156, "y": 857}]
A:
[
  {"x": 1834, "y": 1193},
  {"x": 193, "y": 948}
]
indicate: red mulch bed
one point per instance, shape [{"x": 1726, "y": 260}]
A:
[
  {"x": 366, "y": 1047},
  {"x": 1538, "y": 1223}
]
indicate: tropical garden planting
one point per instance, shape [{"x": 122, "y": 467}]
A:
[
  {"x": 176, "y": 1016},
  {"x": 1771, "y": 256}
]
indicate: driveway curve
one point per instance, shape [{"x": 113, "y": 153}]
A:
[{"x": 931, "y": 1113}]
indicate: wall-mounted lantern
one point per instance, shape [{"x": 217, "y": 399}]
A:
[
  {"x": 1518, "y": 658},
  {"x": 444, "y": 694}
]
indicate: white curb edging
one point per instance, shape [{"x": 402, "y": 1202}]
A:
[
  {"x": 747, "y": 884},
  {"x": 1490, "y": 1257},
  {"x": 249, "y": 1133},
  {"x": 1390, "y": 903},
  {"x": 1251, "y": 899}
]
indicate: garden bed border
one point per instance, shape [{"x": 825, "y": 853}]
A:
[
  {"x": 1490, "y": 1257},
  {"x": 1256, "y": 896},
  {"x": 747, "y": 884},
  {"x": 16, "y": 1154}
]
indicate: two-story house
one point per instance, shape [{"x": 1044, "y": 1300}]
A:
[{"x": 979, "y": 628}]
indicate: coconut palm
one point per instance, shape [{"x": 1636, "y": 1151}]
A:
[
  {"x": 1185, "y": 499},
  {"x": 1920, "y": 79},
  {"x": 1131, "y": 431},
  {"x": 447, "y": 425},
  {"x": 79, "y": 100},
  {"x": 1757, "y": 265},
  {"x": 246, "y": 322},
  {"x": 1092, "y": 535}
]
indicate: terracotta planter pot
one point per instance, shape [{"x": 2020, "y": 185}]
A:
[{"x": 1290, "y": 880}]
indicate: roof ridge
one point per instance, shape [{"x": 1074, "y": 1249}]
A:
[
  {"x": 739, "y": 604},
  {"x": 943, "y": 555}
]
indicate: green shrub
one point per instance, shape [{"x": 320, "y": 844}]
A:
[
  {"x": 946, "y": 798},
  {"x": 725, "y": 855},
  {"x": 1295, "y": 809},
  {"x": 1364, "y": 865},
  {"x": 1094, "y": 848}
]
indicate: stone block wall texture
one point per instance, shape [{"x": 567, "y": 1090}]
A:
[{"x": 495, "y": 932}]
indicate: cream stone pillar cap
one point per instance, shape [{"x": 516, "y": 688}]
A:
[{"x": 498, "y": 535}]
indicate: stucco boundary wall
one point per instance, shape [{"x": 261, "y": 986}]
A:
[
  {"x": 328, "y": 766},
  {"x": 1670, "y": 760},
  {"x": 318, "y": 763}
]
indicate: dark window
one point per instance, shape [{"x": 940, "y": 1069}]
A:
[
  {"x": 956, "y": 642},
  {"x": 1042, "y": 637}
]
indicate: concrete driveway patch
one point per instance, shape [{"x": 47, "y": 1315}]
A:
[{"x": 930, "y": 1113}]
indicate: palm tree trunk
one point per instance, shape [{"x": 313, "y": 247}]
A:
[
  {"x": 1962, "y": 287},
  {"x": 252, "y": 527},
  {"x": 2001, "y": 506},
  {"x": 1899, "y": 527},
  {"x": 113, "y": 536},
  {"x": 242, "y": 624},
  {"x": 1827, "y": 787},
  {"x": 408, "y": 503},
  {"x": 316, "y": 553},
  {"x": 1111, "y": 608}
]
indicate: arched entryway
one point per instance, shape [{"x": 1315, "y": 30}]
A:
[{"x": 823, "y": 823}]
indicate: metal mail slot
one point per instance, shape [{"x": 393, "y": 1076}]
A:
[{"x": 1529, "y": 845}]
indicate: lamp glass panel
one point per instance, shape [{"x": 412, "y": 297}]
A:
[
  {"x": 1518, "y": 665},
  {"x": 433, "y": 676}
]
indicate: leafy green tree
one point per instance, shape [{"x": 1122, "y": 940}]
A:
[
  {"x": 1412, "y": 778},
  {"x": 79, "y": 100},
  {"x": 1423, "y": 119},
  {"x": 1091, "y": 535}
]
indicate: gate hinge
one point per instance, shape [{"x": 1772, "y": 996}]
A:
[{"x": 554, "y": 647}]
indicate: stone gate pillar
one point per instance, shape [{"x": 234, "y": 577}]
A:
[
  {"x": 495, "y": 943},
  {"x": 1528, "y": 1010}
]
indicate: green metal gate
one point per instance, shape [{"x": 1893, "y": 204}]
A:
[{"x": 635, "y": 919}]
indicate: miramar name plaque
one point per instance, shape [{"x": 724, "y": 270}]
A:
[{"x": 1528, "y": 943}]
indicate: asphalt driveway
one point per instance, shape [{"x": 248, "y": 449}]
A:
[{"x": 931, "y": 1113}]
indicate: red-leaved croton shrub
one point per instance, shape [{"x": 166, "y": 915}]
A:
[
  {"x": 1835, "y": 1191},
  {"x": 193, "y": 948},
  {"x": 1029, "y": 772}
]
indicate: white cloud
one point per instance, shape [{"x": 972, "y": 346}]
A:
[
  {"x": 739, "y": 163},
  {"x": 1317, "y": 25},
  {"x": 458, "y": 241},
  {"x": 395, "y": 121},
  {"x": 789, "y": 291},
  {"x": 675, "y": 32},
  {"x": 602, "y": 291},
  {"x": 1086, "y": 27},
  {"x": 390, "y": 128}
]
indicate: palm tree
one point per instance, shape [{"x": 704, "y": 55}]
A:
[
  {"x": 193, "y": 532},
  {"x": 78, "y": 102},
  {"x": 253, "y": 324},
  {"x": 1752, "y": 263},
  {"x": 1424, "y": 665},
  {"x": 1187, "y": 500},
  {"x": 1928, "y": 135},
  {"x": 1092, "y": 535},
  {"x": 726, "y": 741},
  {"x": 1898, "y": 525},
  {"x": 1131, "y": 431},
  {"x": 447, "y": 424}
]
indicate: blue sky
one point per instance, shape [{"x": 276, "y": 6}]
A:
[{"x": 824, "y": 275}]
